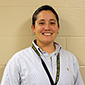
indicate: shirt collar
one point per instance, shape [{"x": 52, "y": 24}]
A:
[
  {"x": 38, "y": 49},
  {"x": 57, "y": 46}
]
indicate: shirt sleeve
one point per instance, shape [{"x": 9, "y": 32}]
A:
[
  {"x": 78, "y": 80},
  {"x": 11, "y": 74}
]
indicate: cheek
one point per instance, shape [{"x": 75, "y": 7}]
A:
[
  {"x": 39, "y": 29},
  {"x": 55, "y": 29}
]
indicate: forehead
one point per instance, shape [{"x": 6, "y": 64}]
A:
[{"x": 46, "y": 14}]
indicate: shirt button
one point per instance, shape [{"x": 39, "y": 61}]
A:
[
  {"x": 54, "y": 72},
  {"x": 48, "y": 60}
]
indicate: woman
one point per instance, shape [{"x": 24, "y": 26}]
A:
[{"x": 45, "y": 62}]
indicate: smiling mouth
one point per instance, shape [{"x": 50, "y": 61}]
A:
[{"x": 47, "y": 33}]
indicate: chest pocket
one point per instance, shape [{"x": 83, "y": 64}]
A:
[{"x": 66, "y": 77}]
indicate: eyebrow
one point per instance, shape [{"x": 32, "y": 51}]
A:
[
  {"x": 50, "y": 20},
  {"x": 41, "y": 20}
]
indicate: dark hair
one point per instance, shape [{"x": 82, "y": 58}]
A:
[{"x": 44, "y": 7}]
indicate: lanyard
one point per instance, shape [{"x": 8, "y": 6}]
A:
[{"x": 46, "y": 69}]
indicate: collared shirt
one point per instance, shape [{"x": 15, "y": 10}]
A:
[{"x": 25, "y": 68}]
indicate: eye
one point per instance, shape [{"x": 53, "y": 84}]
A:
[
  {"x": 41, "y": 23},
  {"x": 52, "y": 23}
]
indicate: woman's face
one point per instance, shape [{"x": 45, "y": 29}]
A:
[{"x": 46, "y": 27}]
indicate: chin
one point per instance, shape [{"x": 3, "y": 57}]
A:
[{"x": 48, "y": 42}]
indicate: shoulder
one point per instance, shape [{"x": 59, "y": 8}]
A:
[
  {"x": 68, "y": 56},
  {"x": 66, "y": 53},
  {"x": 18, "y": 59},
  {"x": 22, "y": 52},
  {"x": 20, "y": 55}
]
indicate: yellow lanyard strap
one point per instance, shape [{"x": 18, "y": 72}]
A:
[{"x": 46, "y": 69}]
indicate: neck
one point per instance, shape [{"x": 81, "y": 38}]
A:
[{"x": 49, "y": 48}]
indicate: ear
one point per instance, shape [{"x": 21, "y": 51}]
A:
[{"x": 33, "y": 28}]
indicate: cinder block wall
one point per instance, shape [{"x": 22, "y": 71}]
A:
[{"x": 16, "y": 33}]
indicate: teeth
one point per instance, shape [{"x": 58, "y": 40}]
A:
[{"x": 47, "y": 33}]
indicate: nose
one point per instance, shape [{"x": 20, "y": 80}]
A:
[{"x": 47, "y": 27}]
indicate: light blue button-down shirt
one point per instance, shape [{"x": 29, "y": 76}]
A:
[{"x": 25, "y": 68}]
